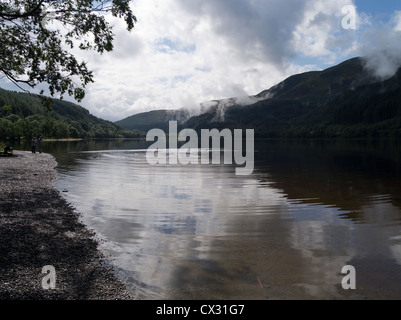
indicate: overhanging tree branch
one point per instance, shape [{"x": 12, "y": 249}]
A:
[{"x": 31, "y": 54}]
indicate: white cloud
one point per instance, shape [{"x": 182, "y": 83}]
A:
[
  {"x": 397, "y": 21},
  {"x": 382, "y": 47},
  {"x": 183, "y": 53}
]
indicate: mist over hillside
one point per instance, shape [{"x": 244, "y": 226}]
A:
[{"x": 346, "y": 100}]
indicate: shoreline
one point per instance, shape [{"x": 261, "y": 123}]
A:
[{"x": 39, "y": 228}]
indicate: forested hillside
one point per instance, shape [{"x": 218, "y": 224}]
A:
[
  {"x": 369, "y": 110},
  {"x": 23, "y": 115},
  {"x": 153, "y": 119},
  {"x": 343, "y": 101}
]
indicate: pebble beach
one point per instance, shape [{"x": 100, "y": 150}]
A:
[{"x": 39, "y": 228}]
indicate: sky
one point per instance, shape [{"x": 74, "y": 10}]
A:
[{"x": 183, "y": 53}]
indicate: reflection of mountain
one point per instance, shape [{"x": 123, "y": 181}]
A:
[
  {"x": 341, "y": 101},
  {"x": 200, "y": 232},
  {"x": 347, "y": 175},
  {"x": 339, "y": 206}
]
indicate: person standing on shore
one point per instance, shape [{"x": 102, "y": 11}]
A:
[
  {"x": 33, "y": 144},
  {"x": 40, "y": 140}
]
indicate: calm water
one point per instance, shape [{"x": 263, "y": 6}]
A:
[{"x": 285, "y": 232}]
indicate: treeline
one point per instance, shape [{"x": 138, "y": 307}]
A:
[
  {"x": 292, "y": 119},
  {"x": 390, "y": 129},
  {"x": 23, "y": 116}
]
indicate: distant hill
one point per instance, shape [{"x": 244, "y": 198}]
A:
[
  {"x": 23, "y": 115},
  {"x": 341, "y": 101},
  {"x": 153, "y": 119}
]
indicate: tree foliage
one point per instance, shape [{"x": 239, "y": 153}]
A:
[
  {"x": 31, "y": 53},
  {"x": 22, "y": 116}
]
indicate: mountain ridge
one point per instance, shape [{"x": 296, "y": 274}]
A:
[{"x": 340, "y": 101}]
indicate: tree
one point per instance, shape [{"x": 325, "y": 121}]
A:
[
  {"x": 31, "y": 53},
  {"x": 6, "y": 110}
]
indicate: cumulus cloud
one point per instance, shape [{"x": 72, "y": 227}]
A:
[
  {"x": 259, "y": 30},
  {"x": 183, "y": 53},
  {"x": 382, "y": 48}
]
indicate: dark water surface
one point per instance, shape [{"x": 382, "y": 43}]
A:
[{"x": 285, "y": 232}]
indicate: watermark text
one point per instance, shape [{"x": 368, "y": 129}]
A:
[
  {"x": 349, "y": 21},
  {"x": 188, "y": 153},
  {"x": 349, "y": 281},
  {"x": 49, "y": 280}
]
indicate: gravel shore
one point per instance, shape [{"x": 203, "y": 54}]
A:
[{"x": 39, "y": 228}]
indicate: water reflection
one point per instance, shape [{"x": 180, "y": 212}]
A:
[{"x": 201, "y": 232}]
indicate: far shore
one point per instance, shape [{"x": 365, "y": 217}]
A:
[{"x": 66, "y": 139}]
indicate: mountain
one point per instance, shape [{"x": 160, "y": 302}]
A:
[
  {"x": 342, "y": 101},
  {"x": 321, "y": 84},
  {"x": 153, "y": 119},
  {"x": 23, "y": 115}
]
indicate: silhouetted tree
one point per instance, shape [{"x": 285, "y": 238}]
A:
[{"x": 31, "y": 53}]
